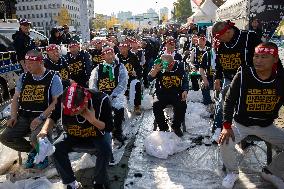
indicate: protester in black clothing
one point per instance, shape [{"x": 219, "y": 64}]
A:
[
  {"x": 171, "y": 89},
  {"x": 55, "y": 36},
  {"x": 96, "y": 52},
  {"x": 195, "y": 61},
  {"x": 66, "y": 36},
  {"x": 23, "y": 42},
  {"x": 79, "y": 64},
  {"x": 54, "y": 61},
  {"x": 111, "y": 77},
  {"x": 87, "y": 120},
  {"x": 253, "y": 100},
  {"x": 235, "y": 49},
  {"x": 255, "y": 26},
  {"x": 134, "y": 69}
]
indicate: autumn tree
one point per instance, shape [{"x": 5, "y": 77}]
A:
[
  {"x": 128, "y": 25},
  {"x": 111, "y": 22},
  {"x": 182, "y": 10},
  {"x": 63, "y": 17},
  {"x": 98, "y": 22}
]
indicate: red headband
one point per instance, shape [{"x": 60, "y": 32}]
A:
[
  {"x": 221, "y": 32},
  {"x": 266, "y": 50},
  {"x": 107, "y": 51},
  {"x": 52, "y": 47},
  {"x": 69, "y": 105},
  {"x": 202, "y": 37},
  {"x": 74, "y": 45},
  {"x": 172, "y": 42},
  {"x": 123, "y": 45},
  {"x": 33, "y": 58}
]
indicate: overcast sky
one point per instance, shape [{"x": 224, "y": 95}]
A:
[{"x": 135, "y": 6}]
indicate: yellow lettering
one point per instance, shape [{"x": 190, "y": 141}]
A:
[{"x": 230, "y": 61}]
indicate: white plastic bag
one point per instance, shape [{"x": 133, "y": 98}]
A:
[
  {"x": 161, "y": 144},
  {"x": 147, "y": 102},
  {"x": 119, "y": 102},
  {"x": 45, "y": 149},
  {"x": 6, "y": 112}
]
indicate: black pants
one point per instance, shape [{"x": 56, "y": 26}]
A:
[
  {"x": 65, "y": 144},
  {"x": 194, "y": 81},
  {"x": 117, "y": 121},
  {"x": 14, "y": 137},
  {"x": 179, "y": 109},
  {"x": 137, "y": 99}
]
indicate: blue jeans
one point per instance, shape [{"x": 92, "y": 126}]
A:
[
  {"x": 64, "y": 146},
  {"x": 206, "y": 92},
  {"x": 218, "y": 117}
]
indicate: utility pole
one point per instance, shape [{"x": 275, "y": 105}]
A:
[{"x": 84, "y": 20}]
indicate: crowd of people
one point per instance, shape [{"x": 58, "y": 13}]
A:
[{"x": 86, "y": 90}]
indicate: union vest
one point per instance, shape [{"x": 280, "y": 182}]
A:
[
  {"x": 35, "y": 96},
  {"x": 77, "y": 68},
  {"x": 61, "y": 67},
  {"x": 261, "y": 100},
  {"x": 78, "y": 126},
  {"x": 104, "y": 83},
  {"x": 234, "y": 56},
  {"x": 96, "y": 57}
]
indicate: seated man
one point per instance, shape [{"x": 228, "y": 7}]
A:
[
  {"x": 34, "y": 99},
  {"x": 111, "y": 78},
  {"x": 254, "y": 98},
  {"x": 171, "y": 89},
  {"x": 87, "y": 119}
]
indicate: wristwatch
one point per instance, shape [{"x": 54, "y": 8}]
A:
[{"x": 41, "y": 117}]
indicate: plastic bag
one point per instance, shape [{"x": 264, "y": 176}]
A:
[
  {"x": 147, "y": 102},
  {"x": 119, "y": 102},
  {"x": 6, "y": 112},
  {"x": 162, "y": 144},
  {"x": 45, "y": 148}
]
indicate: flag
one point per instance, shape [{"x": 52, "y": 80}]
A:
[{"x": 197, "y": 2}]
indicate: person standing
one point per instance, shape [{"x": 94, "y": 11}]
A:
[{"x": 23, "y": 42}]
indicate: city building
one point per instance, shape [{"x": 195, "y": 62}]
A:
[{"x": 43, "y": 13}]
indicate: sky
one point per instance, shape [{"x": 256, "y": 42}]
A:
[{"x": 135, "y": 6}]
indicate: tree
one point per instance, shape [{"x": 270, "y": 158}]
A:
[
  {"x": 182, "y": 10},
  {"x": 128, "y": 25},
  {"x": 98, "y": 22},
  {"x": 111, "y": 22},
  {"x": 63, "y": 17}
]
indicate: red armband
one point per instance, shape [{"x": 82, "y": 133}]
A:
[{"x": 227, "y": 125}]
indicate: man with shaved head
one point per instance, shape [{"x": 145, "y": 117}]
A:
[
  {"x": 34, "y": 99},
  {"x": 234, "y": 48}
]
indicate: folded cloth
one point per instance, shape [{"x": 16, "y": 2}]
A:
[{"x": 44, "y": 148}]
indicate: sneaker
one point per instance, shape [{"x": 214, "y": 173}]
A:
[
  {"x": 268, "y": 176},
  {"x": 178, "y": 132},
  {"x": 215, "y": 136},
  {"x": 229, "y": 180},
  {"x": 74, "y": 185},
  {"x": 43, "y": 164},
  {"x": 137, "y": 110},
  {"x": 30, "y": 161}
]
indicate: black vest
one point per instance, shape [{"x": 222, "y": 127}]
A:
[
  {"x": 170, "y": 82},
  {"x": 261, "y": 100},
  {"x": 77, "y": 68},
  {"x": 35, "y": 95},
  {"x": 198, "y": 54},
  {"x": 233, "y": 56},
  {"x": 61, "y": 66},
  {"x": 139, "y": 54},
  {"x": 96, "y": 57},
  {"x": 78, "y": 126},
  {"x": 104, "y": 83}
]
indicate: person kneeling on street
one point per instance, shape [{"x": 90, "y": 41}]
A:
[
  {"x": 87, "y": 120},
  {"x": 111, "y": 78},
  {"x": 35, "y": 97},
  {"x": 171, "y": 89},
  {"x": 253, "y": 116}
]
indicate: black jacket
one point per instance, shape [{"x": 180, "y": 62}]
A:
[{"x": 22, "y": 44}]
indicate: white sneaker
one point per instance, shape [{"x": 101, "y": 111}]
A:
[
  {"x": 229, "y": 180},
  {"x": 215, "y": 136},
  {"x": 276, "y": 181}
]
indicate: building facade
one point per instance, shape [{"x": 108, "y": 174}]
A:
[{"x": 44, "y": 13}]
